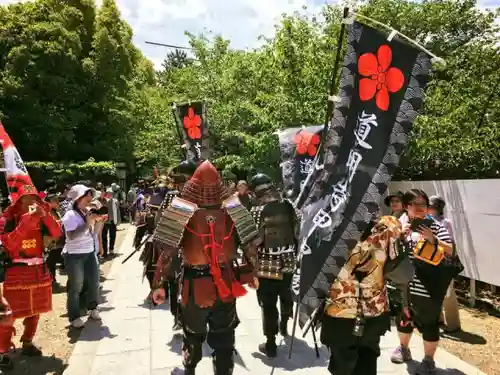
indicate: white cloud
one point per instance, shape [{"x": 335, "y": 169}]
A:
[{"x": 241, "y": 21}]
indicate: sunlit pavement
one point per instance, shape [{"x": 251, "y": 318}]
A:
[{"x": 136, "y": 339}]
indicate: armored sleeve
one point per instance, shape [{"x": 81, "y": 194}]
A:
[
  {"x": 3, "y": 263},
  {"x": 247, "y": 233},
  {"x": 169, "y": 234},
  {"x": 165, "y": 258},
  {"x": 12, "y": 240},
  {"x": 250, "y": 251},
  {"x": 53, "y": 226}
]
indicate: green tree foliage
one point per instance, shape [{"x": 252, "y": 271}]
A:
[
  {"x": 69, "y": 79},
  {"x": 252, "y": 94},
  {"x": 458, "y": 134},
  {"x": 65, "y": 172}
]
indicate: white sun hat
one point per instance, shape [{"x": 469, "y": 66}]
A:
[{"x": 79, "y": 191}]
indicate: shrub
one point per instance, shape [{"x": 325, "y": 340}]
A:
[{"x": 68, "y": 172}]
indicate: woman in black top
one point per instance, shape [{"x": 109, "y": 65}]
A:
[{"x": 55, "y": 248}]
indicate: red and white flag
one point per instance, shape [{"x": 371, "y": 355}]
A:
[{"x": 15, "y": 171}]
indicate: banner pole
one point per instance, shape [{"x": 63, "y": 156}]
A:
[
  {"x": 333, "y": 85},
  {"x": 318, "y": 161},
  {"x": 294, "y": 329},
  {"x": 177, "y": 125}
]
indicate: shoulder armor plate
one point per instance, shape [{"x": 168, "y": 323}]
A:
[
  {"x": 243, "y": 221},
  {"x": 172, "y": 223}
]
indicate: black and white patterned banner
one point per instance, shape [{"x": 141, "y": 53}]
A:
[
  {"x": 298, "y": 148},
  {"x": 192, "y": 119},
  {"x": 381, "y": 91}
]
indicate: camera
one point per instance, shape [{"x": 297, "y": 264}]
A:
[
  {"x": 100, "y": 211},
  {"x": 359, "y": 327}
]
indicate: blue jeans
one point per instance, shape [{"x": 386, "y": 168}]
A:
[{"x": 82, "y": 269}]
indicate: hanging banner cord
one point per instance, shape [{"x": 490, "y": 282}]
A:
[
  {"x": 394, "y": 32},
  {"x": 318, "y": 165}
]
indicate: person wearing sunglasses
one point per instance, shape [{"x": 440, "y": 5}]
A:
[{"x": 426, "y": 292}]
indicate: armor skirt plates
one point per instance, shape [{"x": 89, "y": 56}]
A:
[{"x": 28, "y": 290}]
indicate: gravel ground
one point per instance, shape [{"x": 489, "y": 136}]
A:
[
  {"x": 53, "y": 336},
  {"x": 479, "y": 342}
]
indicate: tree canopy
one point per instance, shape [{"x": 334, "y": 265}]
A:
[{"x": 73, "y": 86}]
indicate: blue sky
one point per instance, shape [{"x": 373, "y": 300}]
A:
[{"x": 241, "y": 21}]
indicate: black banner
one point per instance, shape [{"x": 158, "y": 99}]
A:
[
  {"x": 381, "y": 90},
  {"x": 192, "y": 119},
  {"x": 298, "y": 148}
]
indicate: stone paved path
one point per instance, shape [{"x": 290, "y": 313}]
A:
[{"x": 137, "y": 340}]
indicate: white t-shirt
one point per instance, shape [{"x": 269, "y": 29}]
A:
[
  {"x": 84, "y": 243},
  {"x": 95, "y": 232}
]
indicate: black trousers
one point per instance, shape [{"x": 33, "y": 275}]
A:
[
  {"x": 149, "y": 258},
  {"x": 139, "y": 235},
  {"x": 215, "y": 324},
  {"x": 425, "y": 313},
  {"x": 53, "y": 259},
  {"x": 171, "y": 287},
  {"x": 108, "y": 229},
  {"x": 268, "y": 293},
  {"x": 351, "y": 355}
]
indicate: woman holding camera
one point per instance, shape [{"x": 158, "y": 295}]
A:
[
  {"x": 429, "y": 245},
  {"x": 81, "y": 259}
]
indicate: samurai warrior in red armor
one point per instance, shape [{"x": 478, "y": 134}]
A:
[
  {"x": 207, "y": 225},
  {"x": 28, "y": 283}
]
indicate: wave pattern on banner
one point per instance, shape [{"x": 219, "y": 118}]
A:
[{"x": 345, "y": 195}]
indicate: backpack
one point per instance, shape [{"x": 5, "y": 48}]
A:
[{"x": 399, "y": 270}]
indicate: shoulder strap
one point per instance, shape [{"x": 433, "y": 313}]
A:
[{"x": 80, "y": 213}]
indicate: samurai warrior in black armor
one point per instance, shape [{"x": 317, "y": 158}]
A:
[
  {"x": 207, "y": 224},
  {"x": 179, "y": 175},
  {"x": 279, "y": 228},
  {"x": 149, "y": 256}
]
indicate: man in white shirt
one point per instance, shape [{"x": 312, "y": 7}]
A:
[{"x": 80, "y": 256}]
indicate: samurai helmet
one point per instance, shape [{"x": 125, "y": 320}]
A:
[
  {"x": 261, "y": 184},
  {"x": 183, "y": 171},
  {"x": 205, "y": 187}
]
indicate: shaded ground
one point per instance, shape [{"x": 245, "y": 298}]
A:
[
  {"x": 52, "y": 336},
  {"x": 479, "y": 342}
]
